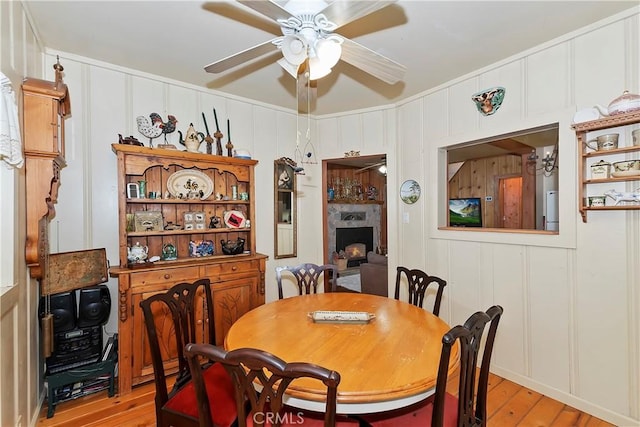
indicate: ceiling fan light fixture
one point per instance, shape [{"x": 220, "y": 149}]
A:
[
  {"x": 317, "y": 69},
  {"x": 294, "y": 49},
  {"x": 329, "y": 51}
]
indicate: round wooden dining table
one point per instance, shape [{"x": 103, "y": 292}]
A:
[{"x": 388, "y": 363}]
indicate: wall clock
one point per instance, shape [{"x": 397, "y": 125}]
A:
[{"x": 410, "y": 191}]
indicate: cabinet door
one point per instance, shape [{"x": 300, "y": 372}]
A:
[
  {"x": 44, "y": 131},
  {"x": 232, "y": 299}
]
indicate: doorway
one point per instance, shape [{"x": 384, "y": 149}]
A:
[
  {"x": 510, "y": 202},
  {"x": 355, "y": 196}
]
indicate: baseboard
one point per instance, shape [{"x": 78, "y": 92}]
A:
[{"x": 568, "y": 399}]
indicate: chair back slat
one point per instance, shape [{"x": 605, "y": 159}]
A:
[
  {"x": 472, "y": 396},
  {"x": 418, "y": 283},
  {"x": 250, "y": 368},
  {"x": 172, "y": 319},
  {"x": 307, "y": 277}
]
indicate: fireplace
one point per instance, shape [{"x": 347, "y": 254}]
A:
[
  {"x": 356, "y": 242},
  {"x": 352, "y": 216}
]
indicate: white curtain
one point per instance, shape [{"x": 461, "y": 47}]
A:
[{"x": 10, "y": 141}]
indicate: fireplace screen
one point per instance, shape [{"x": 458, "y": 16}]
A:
[{"x": 355, "y": 242}]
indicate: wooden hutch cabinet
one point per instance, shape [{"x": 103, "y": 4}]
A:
[{"x": 219, "y": 208}]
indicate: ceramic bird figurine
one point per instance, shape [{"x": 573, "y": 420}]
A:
[
  {"x": 169, "y": 126},
  {"x": 150, "y": 128},
  {"x": 155, "y": 127}
]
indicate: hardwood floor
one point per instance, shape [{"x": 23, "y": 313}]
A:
[{"x": 509, "y": 404}]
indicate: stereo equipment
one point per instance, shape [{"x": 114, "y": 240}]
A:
[
  {"x": 78, "y": 347},
  {"x": 63, "y": 308},
  {"x": 95, "y": 305}
]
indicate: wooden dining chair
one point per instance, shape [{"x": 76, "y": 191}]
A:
[
  {"x": 469, "y": 408},
  {"x": 419, "y": 282},
  {"x": 308, "y": 277},
  {"x": 173, "y": 319},
  {"x": 251, "y": 368}
]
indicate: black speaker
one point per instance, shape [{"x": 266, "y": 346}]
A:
[
  {"x": 63, "y": 308},
  {"x": 95, "y": 305}
]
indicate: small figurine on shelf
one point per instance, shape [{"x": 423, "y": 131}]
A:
[
  {"x": 215, "y": 222},
  {"x": 155, "y": 127}
]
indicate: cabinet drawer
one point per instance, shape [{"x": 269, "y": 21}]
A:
[
  {"x": 168, "y": 275},
  {"x": 231, "y": 267}
]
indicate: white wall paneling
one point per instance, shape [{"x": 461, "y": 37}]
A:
[{"x": 570, "y": 328}]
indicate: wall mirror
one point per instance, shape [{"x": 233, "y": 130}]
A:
[
  {"x": 507, "y": 181},
  {"x": 285, "y": 216}
]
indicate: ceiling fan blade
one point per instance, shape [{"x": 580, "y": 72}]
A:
[
  {"x": 241, "y": 57},
  {"x": 307, "y": 89},
  {"x": 343, "y": 12},
  {"x": 372, "y": 62},
  {"x": 375, "y": 165},
  {"x": 269, "y": 8}
]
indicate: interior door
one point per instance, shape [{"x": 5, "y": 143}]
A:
[{"x": 510, "y": 197}]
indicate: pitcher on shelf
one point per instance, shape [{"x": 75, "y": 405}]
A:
[{"x": 192, "y": 139}]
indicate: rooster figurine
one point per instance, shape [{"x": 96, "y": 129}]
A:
[
  {"x": 155, "y": 127},
  {"x": 169, "y": 126}
]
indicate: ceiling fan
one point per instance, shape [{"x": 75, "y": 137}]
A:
[
  {"x": 308, "y": 38},
  {"x": 378, "y": 165}
]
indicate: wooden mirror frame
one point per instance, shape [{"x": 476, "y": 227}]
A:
[{"x": 285, "y": 217}]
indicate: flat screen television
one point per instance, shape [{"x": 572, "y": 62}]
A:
[{"x": 465, "y": 212}]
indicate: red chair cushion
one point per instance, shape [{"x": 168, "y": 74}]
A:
[
  {"x": 418, "y": 415},
  {"x": 220, "y": 392}
]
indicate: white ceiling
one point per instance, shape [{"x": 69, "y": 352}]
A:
[{"x": 436, "y": 40}]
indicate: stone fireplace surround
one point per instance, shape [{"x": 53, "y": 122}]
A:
[{"x": 372, "y": 219}]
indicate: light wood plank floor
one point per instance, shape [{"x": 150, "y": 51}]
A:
[{"x": 509, "y": 404}]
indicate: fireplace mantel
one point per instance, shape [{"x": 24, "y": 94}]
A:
[{"x": 356, "y": 202}]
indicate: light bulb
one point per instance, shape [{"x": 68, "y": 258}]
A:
[
  {"x": 329, "y": 51},
  {"x": 294, "y": 49},
  {"x": 317, "y": 69}
]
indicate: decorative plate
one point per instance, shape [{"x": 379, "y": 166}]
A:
[
  {"x": 234, "y": 219},
  {"x": 355, "y": 317},
  {"x": 410, "y": 191},
  {"x": 189, "y": 184}
]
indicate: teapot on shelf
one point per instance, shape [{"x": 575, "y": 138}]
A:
[
  {"x": 625, "y": 103},
  {"x": 169, "y": 252},
  {"x": 137, "y": 253},
  {"x": 192, "y": 139}
]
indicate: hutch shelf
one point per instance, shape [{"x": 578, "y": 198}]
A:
[
  {"x": 237, "y": 281},
  {"x": 582, "y": 130}
]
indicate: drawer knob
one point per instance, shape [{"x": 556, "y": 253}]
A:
[
  {"x": 167, "y": 276},
  {"x": 234, "y": 268}
]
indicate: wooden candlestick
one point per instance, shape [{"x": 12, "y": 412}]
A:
[{"x": 218, "y": 135}]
